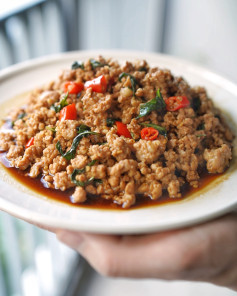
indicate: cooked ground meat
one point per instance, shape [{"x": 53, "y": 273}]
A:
[{"x": 118, "y": 131}]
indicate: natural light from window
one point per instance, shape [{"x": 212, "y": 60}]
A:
[{"x": 9, "y": 7}]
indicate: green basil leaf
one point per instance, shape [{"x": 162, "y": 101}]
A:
[
  {"x": 72, "y": 151},
  {"x": 81, "y": 171},
  {"x": 63, "y": 103},
  {"x": 132, "y": 79},
  {"x": 160, "y": 129},
  {"x": 93, "y": 180},
  {"x": 55, "y": 108},
  {"x": 59, "y": 148},
  {"x": 96, "y": 64},
  {"x": 90, "y": 180},
  {"x": 143, "y": 69},
  {"x": 156, "y": 104},
  {"x": 99, "y": 181},
  {"x": 20, "y": 116},
  {"x": 110, "y": 121},
  {"x": 201, "y": 135},
  {"x": 74, "y": 174},
  {"x": 78, "y": 64},
  {"x": 133, "y": 136},
  {"x": 52, "y": 129},
  {"x": 83, "y": 128},
  {"x": 201, "y": 126},
  {"x": 92, "y": 162},
  {"x": 196, "y": 104}
]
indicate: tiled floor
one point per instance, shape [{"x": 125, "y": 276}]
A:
[{"x": 101, "y": 286}]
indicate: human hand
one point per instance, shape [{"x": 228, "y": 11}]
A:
[{"x": 207, "y": 252}]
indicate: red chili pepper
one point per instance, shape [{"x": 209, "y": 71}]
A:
[
  {"x": 73, "y": 87},
  {"x": 149, "y": 133},
  {"x": 30, "y": 142},
  {"x": 98, "y": 84},
  {"x": 122, "y": 130},
  {"x": 175, "y": 103},
  {"x": 68, "y": 113}
]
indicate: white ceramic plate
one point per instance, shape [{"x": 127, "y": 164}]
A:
[{"x": 217, "y": 199}]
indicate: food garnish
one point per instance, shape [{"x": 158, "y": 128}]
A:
[
  {"x": 160, "y": 129},
  {"x": 30, "y": 142},
  {"x": 118, "y": 132},
  {"x": 62, "y": 104},
  {"x": 73, "y": 87},
  {"x": 132, "y": 79},
  {"x": 78, "y": 64},
  {"x": 175, "y": 103},
  {"x": 98, "y": 84},
  {"x": 156, "y": 104},
  {"x": 68, "y": 113},
  {"x": 122, "y": 129},
  {"x": 149, "y": 133},
  {"x": 72, "y": 151}
]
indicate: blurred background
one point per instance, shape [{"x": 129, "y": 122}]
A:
[{"x": 32, "y": 262}]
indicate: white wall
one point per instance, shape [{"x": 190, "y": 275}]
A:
[
  {"x": 129, "y": 24},
  {"x": 204, "y": 31}
]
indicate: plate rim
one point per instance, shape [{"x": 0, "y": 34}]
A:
[
  {"x": 52, "y": 223},
  {"x": 26, "y": 214},
  {"x": 52, "y": 58}
]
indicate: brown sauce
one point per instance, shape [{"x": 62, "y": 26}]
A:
[{"x": 95, "y": 201}]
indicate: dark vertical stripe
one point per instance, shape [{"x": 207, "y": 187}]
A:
[
  {"x": 9, "y": 42},
  {"x": 69, "y": 17},
  {"x": 165, "y": 27}
]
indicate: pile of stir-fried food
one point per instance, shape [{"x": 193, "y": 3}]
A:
[{"x": 118, "y": 131}]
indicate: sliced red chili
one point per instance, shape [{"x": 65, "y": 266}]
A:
[
  {"x": 149, "y": 133},
  {"x": 122, "y": 129},
  {"x": 73, "y": 87},
  {"x": 30, "y": 142},
  {"x": 98, "y": 84},
  {"x": 68, "y": 113},
  {"x": 175, "y": 103}
]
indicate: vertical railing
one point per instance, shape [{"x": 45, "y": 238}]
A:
[
  {"x": 31, "y": 33},
  {"x": 58, "y": 25},
  {"x": 121, "y": 24},
  {"x": 11, "y": 254},
  {"x": 32, "y": 262}
]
